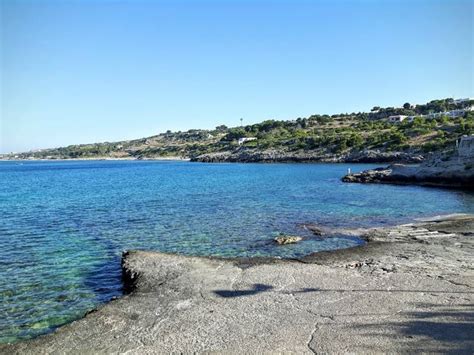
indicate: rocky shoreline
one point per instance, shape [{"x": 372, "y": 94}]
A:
[
  {"x": 454, "y": 171},
  {"x": 246, "y": 155},
  {"x": 408, "y": 289},
  {"x": 177, "y": 158}
]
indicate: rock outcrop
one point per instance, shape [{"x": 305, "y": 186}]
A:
[
  {"x": 250, "y": 155},
  {"x": 454, "y": 171}
]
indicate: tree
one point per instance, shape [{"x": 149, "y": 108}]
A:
[
  {"x": 221, "y": 128},
  {"x": 234, "y": 133},
  {"x": 406, "y": 105}
]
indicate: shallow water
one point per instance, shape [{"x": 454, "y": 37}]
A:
[{"x": 64, "y": 225}]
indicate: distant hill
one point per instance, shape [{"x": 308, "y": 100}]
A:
[{"x": 341, "y": 137}]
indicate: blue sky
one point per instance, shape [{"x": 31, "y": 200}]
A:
[{"x": 91, "y": 71}]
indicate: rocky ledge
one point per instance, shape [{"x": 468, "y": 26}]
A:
[
  {"x": 248, "y": 155},
  {"x": 409, "y": 289},
  {"x": 449, "y": 172}
]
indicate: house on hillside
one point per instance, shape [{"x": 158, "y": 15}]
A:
[
  {"x": 451, "y": 114},
  {"x": 246, "y": 139},
  {"x": 436, "y": 114},
  {"x": 455, "y": 113},
  {"x": 397, "y": 118}
]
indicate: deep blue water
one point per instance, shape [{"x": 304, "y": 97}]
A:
[{"x": 64, "y": 225}]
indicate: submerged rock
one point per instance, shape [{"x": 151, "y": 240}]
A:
[
  {"x": 287, "y": 239},
  {"x": 313, "y": 228}
]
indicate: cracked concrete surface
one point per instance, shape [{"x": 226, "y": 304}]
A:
[{"x": 406, "y": 290}]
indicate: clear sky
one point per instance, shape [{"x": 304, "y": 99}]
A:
[{"x": 92, "y": 71}]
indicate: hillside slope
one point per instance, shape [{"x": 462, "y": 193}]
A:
[{"x": 364, "y": 137}]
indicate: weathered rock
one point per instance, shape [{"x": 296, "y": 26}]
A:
[
  {"x": 368, "y": 176},
  {"x": 453, "y": 171},
  {"x": 375, "y": 156},
  {"x": 287, "y": 239}
]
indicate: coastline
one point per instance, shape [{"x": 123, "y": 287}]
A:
[
  {"x": 409, "y": 288},
  {"x": 245, "y": 155},
  {"x": 104, "y": 159}
]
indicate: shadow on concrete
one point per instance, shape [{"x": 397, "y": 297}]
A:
[
  {"x": 304, "y": 290},
  {"x": 257, "y": 288},
  {"x": 432, "y": 328}
]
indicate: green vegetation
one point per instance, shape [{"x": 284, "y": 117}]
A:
[{"x": 323, "y": 134}]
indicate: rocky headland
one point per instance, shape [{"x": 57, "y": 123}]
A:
[
  {"x": 453, "y": 171},
  {"x": 408, "y": 289}
]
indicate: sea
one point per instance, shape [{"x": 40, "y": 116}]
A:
[{"x": 65, "y": 224}]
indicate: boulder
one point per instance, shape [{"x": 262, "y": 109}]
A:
[{"x": 287, "y": 239}]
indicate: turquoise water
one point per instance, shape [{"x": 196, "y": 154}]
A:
[{"x": 64, "y": 225}]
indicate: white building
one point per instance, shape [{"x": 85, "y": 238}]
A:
[
  {"x": 397, "y": 118},
  {"x": 436, "y": 114},
  {"x": 246, "y": 139},
  {"x": 455, "y": 113}
]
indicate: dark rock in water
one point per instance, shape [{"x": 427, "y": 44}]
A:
[
  {"x": 287, "y": 239},
  {"x": 313, "y": 228},
  {"x": 369, "y": 176}
]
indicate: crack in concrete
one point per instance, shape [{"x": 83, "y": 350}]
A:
[
  {"x": 321, "y": 315},
  {"x": 202, "y": 295},
  {"x": 458, "y": 283},
  {"x": 311, "y": 337}
]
